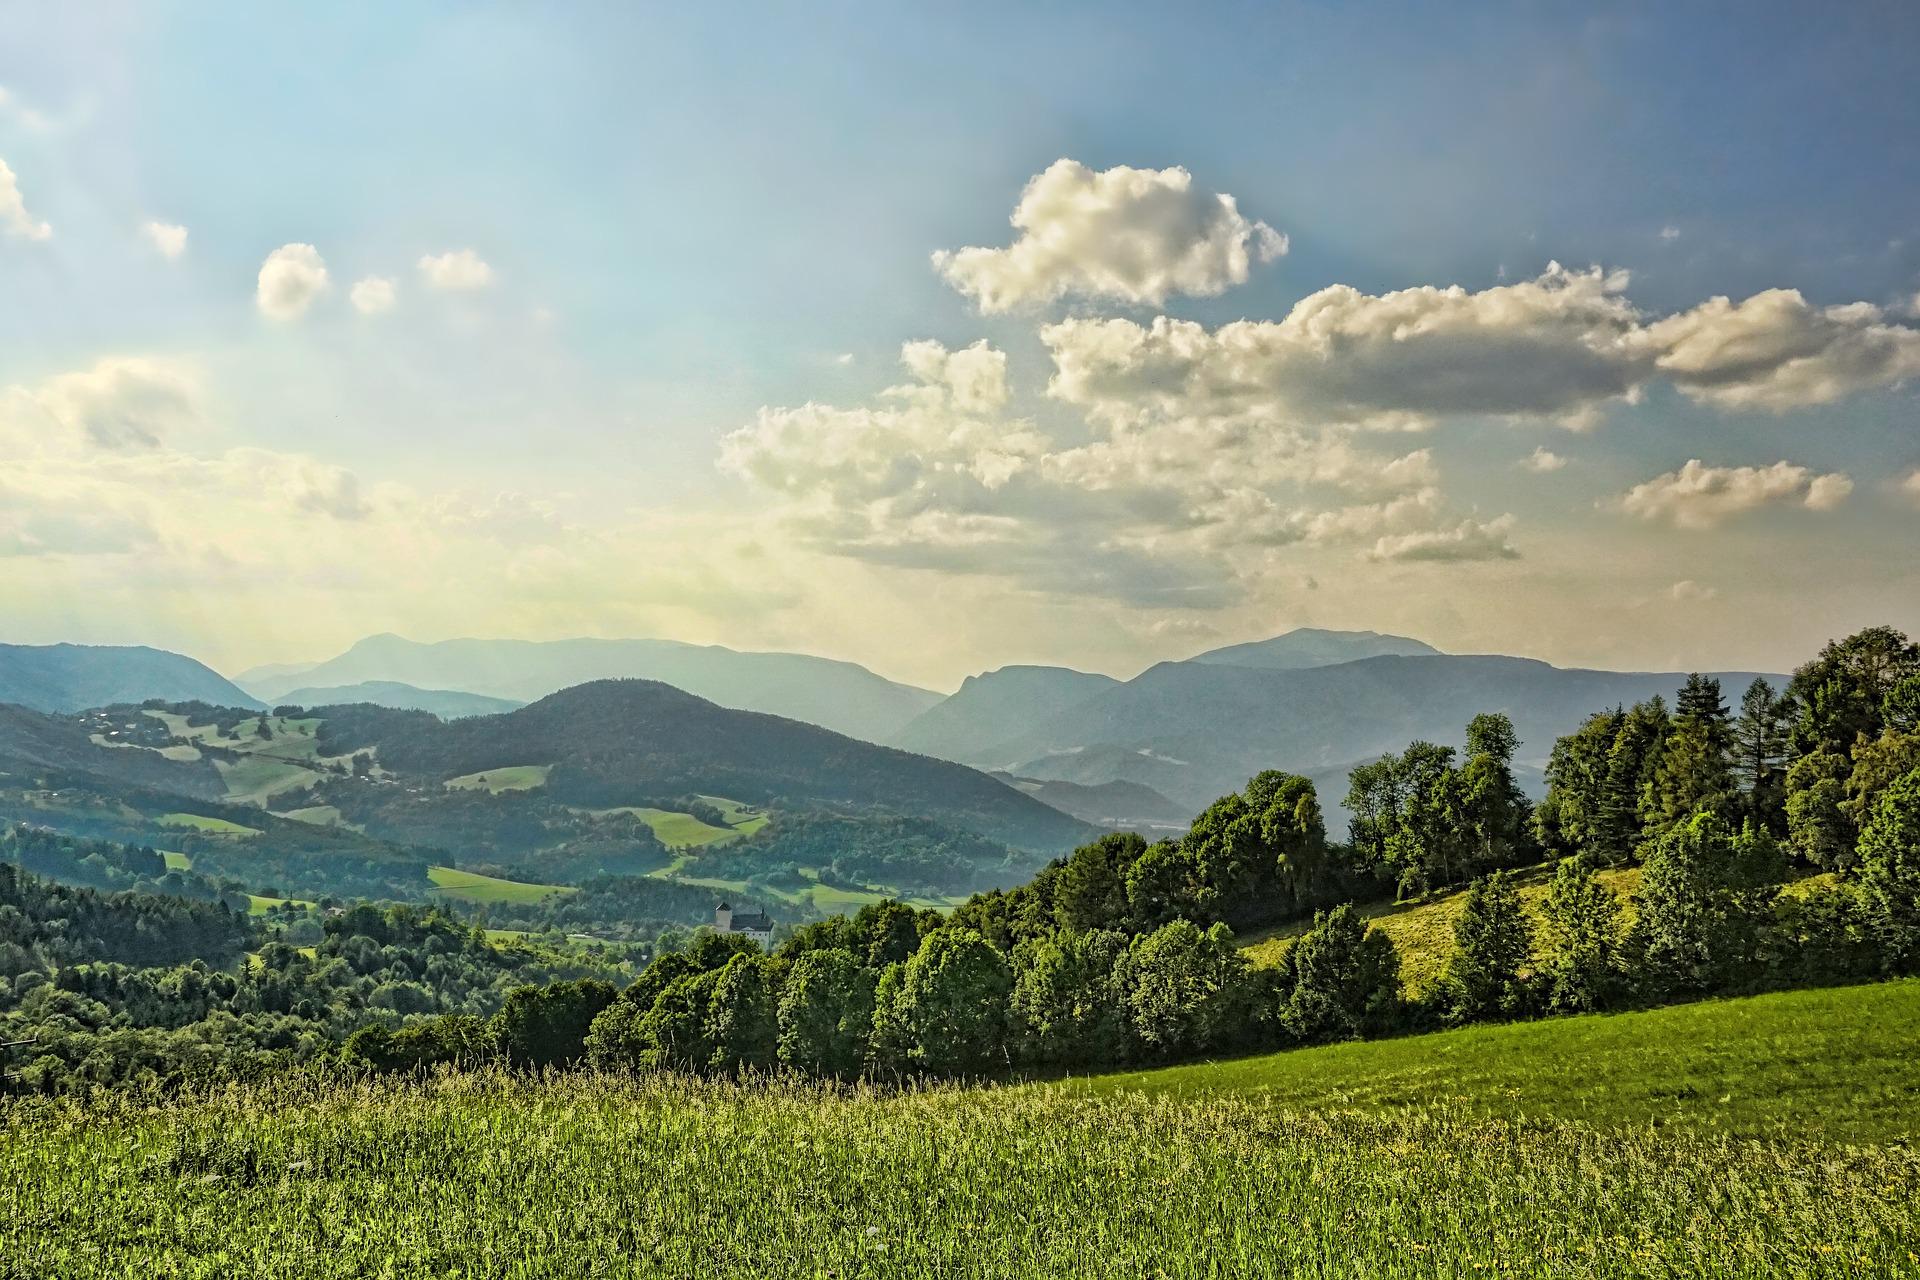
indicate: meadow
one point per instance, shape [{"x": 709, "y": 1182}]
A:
[
  {"x": 487, "y": 1175},
  {"x": 1284, "y": 1166},
  {"x": 1837, "y": 1064},
  {"x": 471, "y": 886}
]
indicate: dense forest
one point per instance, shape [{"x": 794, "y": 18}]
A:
[
  {"x": 1125, "y": 950},
  {"x": 138, "y": 989}
]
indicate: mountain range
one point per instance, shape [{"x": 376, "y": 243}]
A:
[
  {"x": 1194, "y": 730},
  {"x": 841, "y": 696}
]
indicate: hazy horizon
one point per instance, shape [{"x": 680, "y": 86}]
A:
[{"x": 901, "y": 338}]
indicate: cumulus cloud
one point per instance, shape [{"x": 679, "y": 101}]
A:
[
  {"x": 290, "y": 279},
  {"x": 14, "y": 218},
  {"x": 1669, "y": 233},
  {"x": 937, "y": 476},
  {"x": 1542, "y": 460},
  {"x": 120, "y": 402},
  {"x": 1560, "y": 347},
  {"x": 457, "y": 271},
  {"x": 1687, "y": 591},
  {"x": 1132, "y": 235},
  {"x": 1700, "y": 497},
  {"x": 372, "y": 295},
  {"x": 1777, "y": 351},
  {"x": 169, "y": 238},
  {"x": 1911, "y": 485}
]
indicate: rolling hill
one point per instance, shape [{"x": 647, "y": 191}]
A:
[
  {"x": 448, "y": 704},
  {"x": 73, "y": 677},
  {"x": 841, "y": 696},
  {"x": 615, "y": 742}
]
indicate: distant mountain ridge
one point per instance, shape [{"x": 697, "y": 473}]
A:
[
  {"x": 1313, "y": 647},
  {"x": 1310, "y": 701},
  {"x": 976, "y": 716},
  {"x": 841, "y": 696},
  {"x": 1193, "y": 731},
  {"x": 64, "y": 678},
  {"x": 448, "y": 704}
]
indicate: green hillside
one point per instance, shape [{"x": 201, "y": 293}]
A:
[
  {"x": 471, "y": 886},
  {"x": 1836, "y": 1065}
]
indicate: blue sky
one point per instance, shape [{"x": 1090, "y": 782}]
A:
[{"x": 692, "y": 213}]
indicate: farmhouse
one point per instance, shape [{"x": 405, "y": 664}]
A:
[{"x": 756, "y": 926}]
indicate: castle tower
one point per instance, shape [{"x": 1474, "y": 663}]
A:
[{"x": 723, "y": 918}]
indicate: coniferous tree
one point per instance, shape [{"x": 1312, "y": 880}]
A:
[
  {"x": 1493, "y": 946},
  {"x": 1695, "y": 772},
  {"x": 1760, "y": 754}
]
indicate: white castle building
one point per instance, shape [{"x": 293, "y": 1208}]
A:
[{"x": 755, "y": 926}]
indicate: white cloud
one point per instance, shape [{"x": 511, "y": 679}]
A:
[
  {"x": 1699, "y": 497},
  {"x": 1134, "y": 235},
  {"x": 1542, "y": 460},
  {"x": 121, "y": 402},
  {"x": 844, "y": 358},
  {"x": 1560, "y": 347},
  {"x": 976, "y": 377},
  {"x": 1911, "y": 485},
  {"x": 1688, "y": 591},
  {"x": 1669, "y": 233},
  {"x": 372, "y": 295},
  {"x": 167, "y": 237},
  {"x": 290, "y": 279},
  {"x": 1467, "y": 540},
  {"x": 1777, "y": 351},
  {"x": 14, "y": 217},
  {"x": 458, "y": 270}
]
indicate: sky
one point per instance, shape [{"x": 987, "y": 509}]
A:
[{"x": 941, "y": 340}]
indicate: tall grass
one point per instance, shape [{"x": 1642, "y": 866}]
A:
[{"x": 491, "y": 1176}]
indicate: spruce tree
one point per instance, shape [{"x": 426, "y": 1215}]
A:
[{"x": 1493, "y": 945}]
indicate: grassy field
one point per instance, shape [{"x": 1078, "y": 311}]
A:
[
  {"x": 320, "y": 815},
  {"x": 1423, "y": 931},
  {"x": 202, "y": 823},
  {"x": 517, "y": 777},
  {"x": 471, "y": 886},
  {"x": 489, "y": 1175},
  {"x": 1838, "y": 1064},
  {"x": 680, "y": 830},
  {"x": 176, "y": 861}
]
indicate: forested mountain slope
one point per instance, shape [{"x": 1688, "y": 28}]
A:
[
  {"x": 73, "y": 677},
  {"x": 617, "y": 742}
]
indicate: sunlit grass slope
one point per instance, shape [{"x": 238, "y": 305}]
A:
[
  {"x": 1836, "y": 1064},
  {"x": 471, "y": 886},
  {"x": 630, "y": 1177}
]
